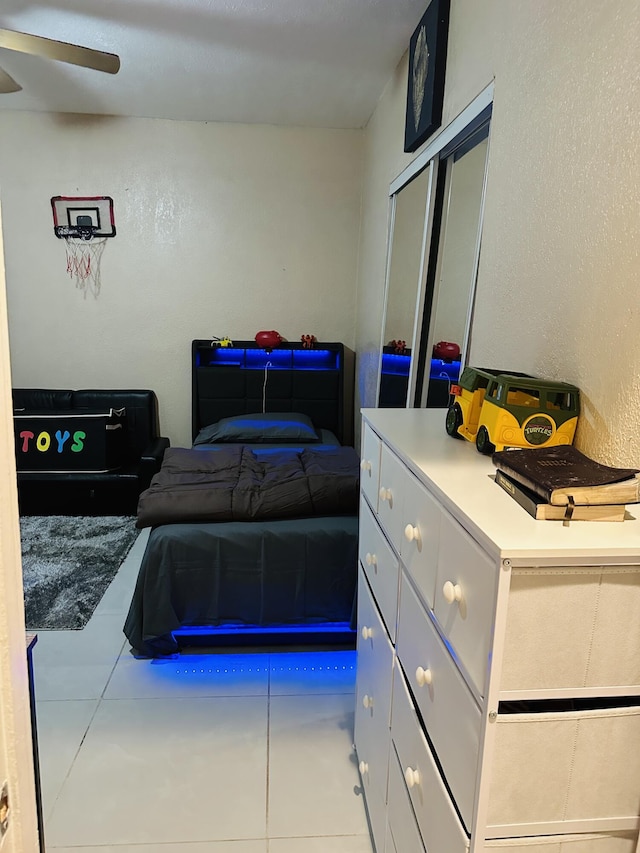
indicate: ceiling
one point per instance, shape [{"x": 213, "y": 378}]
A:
[{"x": 314, "y": 63}]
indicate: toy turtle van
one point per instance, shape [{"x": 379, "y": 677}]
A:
[{"x": 501, "y": 410}]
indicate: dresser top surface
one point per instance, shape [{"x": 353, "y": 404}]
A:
[{"x": 463, "y": 480}]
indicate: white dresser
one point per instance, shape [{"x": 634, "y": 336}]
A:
[{"x": 498, "y": 687}]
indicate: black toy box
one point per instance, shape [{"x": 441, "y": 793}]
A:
[{"x": 69, "y": 441}]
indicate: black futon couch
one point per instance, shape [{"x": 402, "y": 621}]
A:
[{"x": 88, "y": 452}]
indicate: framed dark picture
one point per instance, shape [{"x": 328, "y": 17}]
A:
[{"x": 427, "y": 65}]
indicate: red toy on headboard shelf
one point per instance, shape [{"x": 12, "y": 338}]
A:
[
  {"x": 446, "y": 350},
  {"x": 269, "y": 340}
]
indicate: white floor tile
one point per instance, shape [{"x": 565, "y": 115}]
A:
[
  {"x": 61, "y": 728},
  {"x": 75, "y": 681},
  {"x": 325, "y": 844},
  {"x": 175, "y": 756},
  {"x": 99, "y": 642},
  {"x": 166, "y": 770},
  {"x": 312, "y": 672},
  {"x": 313, "y": 778},
  {"x": 189, "y": 675},
  {"x": 77, "y": 664},
  {"x": 117, "y": 597}
]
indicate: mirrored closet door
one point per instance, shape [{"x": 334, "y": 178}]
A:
[
  {"x": 404, "y": 289},
  {"x": 453, "y": 267},
  {"x": 451, "y": 175}
]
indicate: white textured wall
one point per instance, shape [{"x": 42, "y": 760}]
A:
[
  {"x": 558, "y": 279},
  {"x": 221, "y": 230}
]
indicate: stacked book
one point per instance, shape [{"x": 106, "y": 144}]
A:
[{"x": 560, "y": 483}]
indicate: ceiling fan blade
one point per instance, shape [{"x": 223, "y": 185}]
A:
[
  {"x": 60, "y": 50},
  {"x": 8, "y": 84}
]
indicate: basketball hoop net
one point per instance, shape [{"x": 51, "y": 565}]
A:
[
  {"x": 83, "y": 261},
  {"x": 84, "y": 223}
]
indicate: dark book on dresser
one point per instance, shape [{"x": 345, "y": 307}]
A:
[
  {"x": 540, "y": 509},
  {"x": 562, "y": 475}
]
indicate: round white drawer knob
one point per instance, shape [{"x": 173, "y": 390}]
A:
[
  {"x": 412, "y": 534},
  {"x": 411, "y": 777},
  {"x": 367, "y": 701},
  {"x": 371, "y": 560},
  {"x": 452, "y": 592},
  {"x": 423, "y": 676},
  {"x": 367, "y": 633},
  {"x": 365, "y": 465},
  {"x": 385, "y": 494},
  {"x": 363, "y": 767}
]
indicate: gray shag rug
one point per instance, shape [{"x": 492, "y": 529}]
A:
[{"x": 67, "y": 564}]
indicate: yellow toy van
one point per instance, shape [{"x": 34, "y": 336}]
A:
[{"x": 499, "y": 410}]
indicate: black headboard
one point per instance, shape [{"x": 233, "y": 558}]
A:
[{"x": 230, "y": 381}]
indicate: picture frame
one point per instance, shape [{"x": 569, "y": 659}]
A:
[{"x": 427, "y": 66}]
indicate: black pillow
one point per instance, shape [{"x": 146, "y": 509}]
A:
[{"x": 260, "y": 428}]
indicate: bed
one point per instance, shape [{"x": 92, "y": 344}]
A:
[{"x": 286, "y": 573}]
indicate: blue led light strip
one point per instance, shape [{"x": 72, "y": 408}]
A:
[{"x": 281, "y": 359}]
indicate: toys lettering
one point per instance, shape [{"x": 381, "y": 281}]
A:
[{"x": 43, "y": 440}]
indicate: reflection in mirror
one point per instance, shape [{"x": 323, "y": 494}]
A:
[
  {"x": 404, "y": 269},
  {"x": 456, "y": 266}
]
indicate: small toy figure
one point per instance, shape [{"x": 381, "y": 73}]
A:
[
  {"x": 398, "y": 347},
  {"x": 308, "y": 341},
  {"x": 221, "y": 342}
]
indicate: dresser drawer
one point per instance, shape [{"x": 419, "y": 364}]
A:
[
  {"x": 421, "y": 517},
  {"x": 401, "y": 821},
  {"x": 599, "y": 842},
  {"x": 572, "y": 627},
  {"x": 370, "y": 466},
  {"x": 373, "y": 693},
  {"x": 377, "y": 814},
  {"x": 381, "y": 567},
  {"x": 440, "y": 827},
  {"x": 451, "y": 715},
  {"x": 465, "y": 599},
  {"x": 393, "y": 476},
  {"x": 568, "y": 765}
]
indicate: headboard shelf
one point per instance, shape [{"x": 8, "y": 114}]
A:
[
  {"x": 245, "y": 378},
  {"x": 245, "y": 357}
]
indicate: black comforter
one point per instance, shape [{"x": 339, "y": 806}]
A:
[{"x": 233, "y": 484}]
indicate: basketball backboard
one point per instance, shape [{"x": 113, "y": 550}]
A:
[{"x": 82, "y": 216}]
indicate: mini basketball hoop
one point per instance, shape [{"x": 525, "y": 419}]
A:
[{"x": 84, "y": 223}]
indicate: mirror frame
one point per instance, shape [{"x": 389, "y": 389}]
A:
[{"x": 467, "y": 122}]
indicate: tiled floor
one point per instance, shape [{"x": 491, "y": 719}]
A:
[{"x": 202, "y": 753}]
